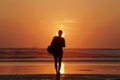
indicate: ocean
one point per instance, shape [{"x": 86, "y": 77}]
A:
[{"x": 75, "y": 61}]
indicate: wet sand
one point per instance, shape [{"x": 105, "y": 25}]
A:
[
  {"x": 71, "y": 71},
  {"x": 67, "y": 68},
  {"x": 62, "y": 77}
]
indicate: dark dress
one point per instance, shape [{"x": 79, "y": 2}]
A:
[{"x": 58, "y": 43}]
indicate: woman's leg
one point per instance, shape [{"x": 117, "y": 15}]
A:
[
  {"x": 55, "y": 63},
  {"x": 60, "y": 60}
]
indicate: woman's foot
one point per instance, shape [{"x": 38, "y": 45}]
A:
[{"x": 58, "y": 74}]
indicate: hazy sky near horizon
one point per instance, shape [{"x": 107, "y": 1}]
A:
[{"x": 86, "y": 23}]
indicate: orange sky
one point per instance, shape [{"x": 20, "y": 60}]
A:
[{"x": 86, "y": 23}]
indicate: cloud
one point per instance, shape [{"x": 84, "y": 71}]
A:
[
  {"x": 71, "y": 21},
  {"x": 64, "y": 21}
]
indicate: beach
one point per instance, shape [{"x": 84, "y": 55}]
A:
[
  {"x": 70, "y": 71},
  {"x": 92, "y": 64}
]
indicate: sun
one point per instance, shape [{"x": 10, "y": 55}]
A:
[
  {"x": 62, "y": 34},
  {"x": 61, "y": 27}
]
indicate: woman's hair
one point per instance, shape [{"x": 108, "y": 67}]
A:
[{"x": 60, "y": 31}]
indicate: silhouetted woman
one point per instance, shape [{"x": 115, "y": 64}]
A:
[{"x": 58, "y": 43}]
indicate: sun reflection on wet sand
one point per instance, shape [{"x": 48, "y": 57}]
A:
[{"x": 62, "y": 71}]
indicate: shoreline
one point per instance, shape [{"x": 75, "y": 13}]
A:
[
  {"x": 62, "y": 77},
  {"x": 30, "y": 60}
]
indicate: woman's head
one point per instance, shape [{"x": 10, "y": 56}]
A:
[{"x": 60, "y": 32}]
